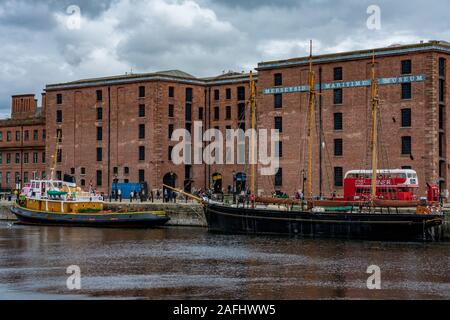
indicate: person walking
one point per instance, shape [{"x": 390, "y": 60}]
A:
[
  {"x": 119, "y": 194},
  {"x": 131, "y": 196}
]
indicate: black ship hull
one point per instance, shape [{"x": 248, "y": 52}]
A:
[
  {"x": 99, "y": 220},
  {"x": 362, "y": 226}
]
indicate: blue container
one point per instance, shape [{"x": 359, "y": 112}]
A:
[{"x": 126, "y": 189}]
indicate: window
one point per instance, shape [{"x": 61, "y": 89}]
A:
[
  {"x": 25, "y": 177},
  {"x": 278, "y": 79},
  {"x": 188, "y": 112},
  {"x": 338, "y": 147},
  {"x": 406, "y": 145},
  {"x": 35, "y": 135},
  {"x": 406, "y": 67},
  {"x": 337, "y": 74},
  {"x": 279, "y": 149},
  {"x": 169, "y": 155},
  {"x": 171, "y": 92},
  {"x": 83, "y": 171},
  {"x": 17, "y": 157},
  {"x": 35, "y": 157},
  {"x": 126, "y": 180},
  {"x": 1, "y": 158},
  {"x": 406, "y": 167},
  {"x": 141, "y": 92},
  {"x": 99, "y": 178},
  {"x": 142, "y": 110},
  {"x": 228, "y": 112},
  {"x": 83, "y": 182},
  {"x": 406, "y": 91},
  {"x": 59, "y": 135},
  {"x": 241, "y": 126},
  {"x": 241, "y": 111},
  {"x": 99, "y": 154},
  {"x": 141, "y": 153},
  {"x": 43, "y": 157},
  {"x": 26, "y": 135},
  {"x": 8, "y": 158},
  {"x": 126, "y": 170},
  {"x": 279, "y": 178},
  {"x": 99, "y": 114},
  {"x": 59, "y": 98},
  {"x": 442, "y": 65},
  {"x": 99, "y": 95},
  {"x": 26, "y": 158},
  {"x": 338, "y": 125},
  {"x": 8, "y": 178},
  {"x": 441, "y": 90},
  {"x": 189, "y": 94},
  {"x": 59, "y": 116},
  {"x": 99, "y": 133},
  {"x": 216, "y": 113},
  {"x": 17, "y": 135},
  {"x": 115, "y": 170},
  {"x": 59, "y": 156},
  {"x": 279, "y": 124},
  {"x": 228, "y": 94},
  {"x": 170, "y": 131},
  {"x": 278, "y": 100},
  {"x": 200, "y": 113},
  {"x": 241, "y": 93},
  {"x": 1, "y": 136},
  {"x": 72, "y": 171},
  {"x": 337, "y": 96},
  {"x": 8, "y": 136},
  {"x": 44, "y": 134},
  {"x": 171, "y": 111},
  {"x": 141, "y": 175},
  {"x": 189, "y": 127},
  {"x": 338, "y": 176},
  {"x": 142, "y": 131},
  {"x": 406, "y": 118},
  {"x": 216, "y": 95}
]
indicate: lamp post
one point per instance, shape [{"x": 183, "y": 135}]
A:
[{"x": 234, "y": 187}]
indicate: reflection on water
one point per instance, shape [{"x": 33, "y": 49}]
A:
[{"x": 190, "y": 263}]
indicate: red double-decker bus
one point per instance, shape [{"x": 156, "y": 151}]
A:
[{"x": 398, "y": 184}]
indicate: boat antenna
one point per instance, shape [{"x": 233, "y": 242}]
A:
[
  {"x": 374, "y": 144},
  {"x": 310, "y": 131},
  {"x": 253, "y": 149}
]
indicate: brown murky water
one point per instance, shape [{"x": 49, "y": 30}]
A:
[{"x": 190, "y": 263}]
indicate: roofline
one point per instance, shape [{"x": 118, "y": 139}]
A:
[
  {"x": 358, "y": 54},
  {"x": 23, "y": 95},
  {"x": 146, "y": 77}
]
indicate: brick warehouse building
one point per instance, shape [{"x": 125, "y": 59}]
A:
[{"x": 118, "y": 127}]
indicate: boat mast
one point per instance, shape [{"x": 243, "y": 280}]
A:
[
  {"x": 253, "y": 135},
  {"x": 310, "y": 130},
  {"x": 55, "y": 156},
  {"x": 374, "y": 144}
]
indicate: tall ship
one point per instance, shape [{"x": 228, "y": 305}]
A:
[
  {"x": 378, "y": 204},
  {"x": 62, "y": 203}
]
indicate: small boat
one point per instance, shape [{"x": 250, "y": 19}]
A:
[{"x": 53, "y": 202}]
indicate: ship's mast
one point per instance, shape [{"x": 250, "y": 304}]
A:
[
  {"x": 55, "y": 156},
  {"x": 310, "y": 130},
  {"x": 253, "y": 150},
  {"x": 374, "y": 144}
]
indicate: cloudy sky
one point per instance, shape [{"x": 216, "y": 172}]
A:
[{"x": 43, "y": 41}]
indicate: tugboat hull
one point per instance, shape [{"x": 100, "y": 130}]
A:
[
  {"x": 101, "y": 220},
  {"x": 363, "y": 226}
]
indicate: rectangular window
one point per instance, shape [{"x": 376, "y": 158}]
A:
[
  {"x": 8, "y": 178},
  {"x": 241, "y": 111},
  {"x": 142, "y": 131},
  {"x": 216, "y": 113},
  {"x": 188, "y": 112},
  {"x": 59, "y": 98},
  {"x": 25, "y": 177},
  {"x": 406, "y": 118},
  {"x": 1, "y": 136},
  {"x": 228, "y": 93},
  {"x": 8, "y": 136},
  {"x": 170, "y": 131},
  {"x": 99, "y": 179},
  {"x": 17, "y": 135},
  {"x": 241, "y": 93},
  {"x": 141, "y": 153},
  {"x": 278, "y": 100},
  {"x": 406, "y": 91},
  {"x": 279, "y": 149},
  {"x": 278, "y": 79},
  {"x": 141, "y": 92},
  {"x": 441, "y": 90},
  {"x": 8, "y": 158},
  {"x": 338, "y": 176},
  {"x": 83, "y": 171},
  {"x": 115, "y": 170},
  {"x": 171, "y": 92},
  {"x": 228, "y": 113},
  {"x": 406, "y": 67},
  {"x": 406, "y": 145},
  {"x": 337, "y": 74},
  {"x": 99, "y": 114},
  {"x": 59, "y": 156},
  {"x": 72, "y": 171},
  {"x": 26, "y": 135},
  {"x": 44, "y": 134},
  {"x": 1, "y": 158},
  {"x": 141, "y": 110},
  {"x": 169, "y": 153},
  {"x": 216, "y": 95},
  {"x": 17, "y": 157},
  {"x": 141, "y": 175},
  {"x": 26, "y": 158},
  {"x": 171, "y": 111},
  {"x": 279, "y": 178},
  {"x": 442, "y": 66},
  {"x": 338, "y": 124},
  {"x": 59, "y": 135},
  {"x": 35, "y": 157},
  {"x": 99, "y": 95},
  {"x": 35, "y": 135},
  {"x": 99, "y": 154},
  {"x": 337, "y": 96},
  {"x": 279, "y": 124},
  {"x": 99, "y": 133},
  {"x": 338, "y": 147},
  {"x": 189, "y": 95},
  {"x": 43, "y": 157},
  {"x": 200, "y": 113},
  {"x": 59, "y": 116}
]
